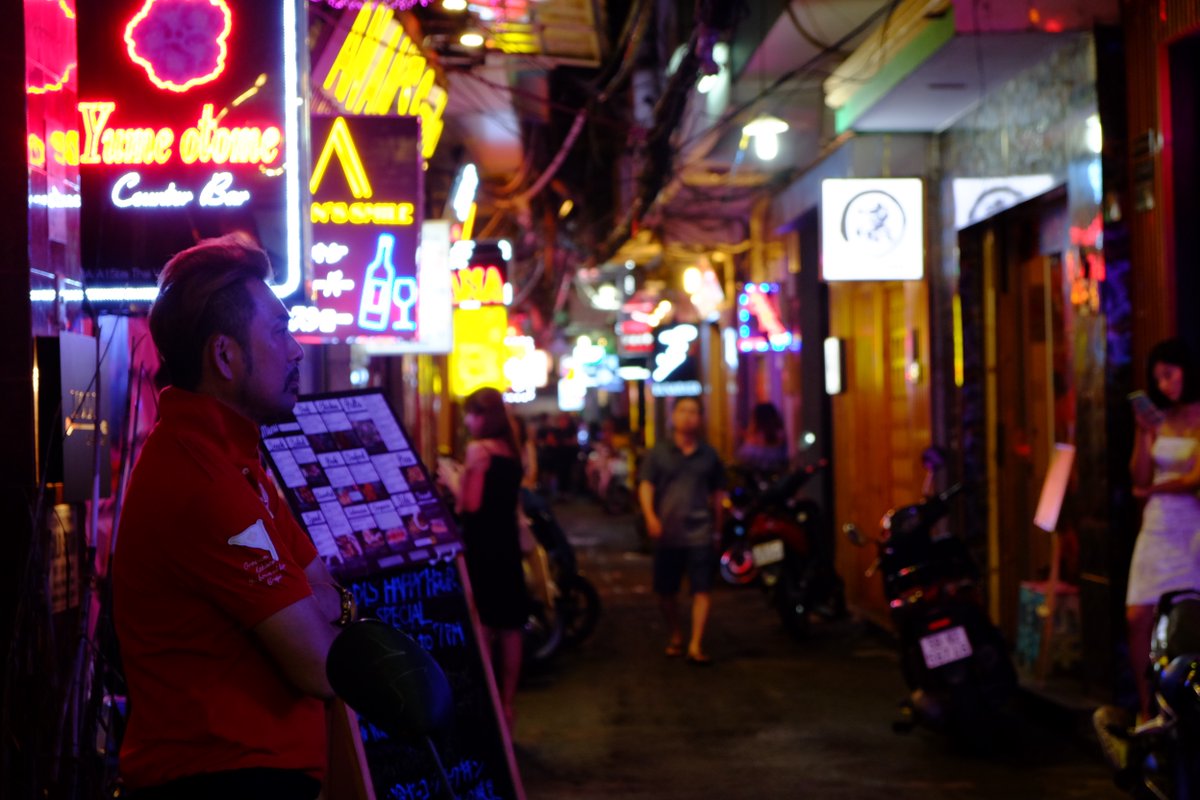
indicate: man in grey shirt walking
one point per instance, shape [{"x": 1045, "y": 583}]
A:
[{"x": 682, "y": 492}]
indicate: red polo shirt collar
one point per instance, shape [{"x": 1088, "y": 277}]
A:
[{"x": 231, "y": 431}]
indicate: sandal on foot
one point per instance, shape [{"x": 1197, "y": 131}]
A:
[
  {"x": 674, "y": 650},
  {"x": 699, "y": 660}
]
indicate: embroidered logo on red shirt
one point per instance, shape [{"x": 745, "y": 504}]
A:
[{"x": 256, "y": 536}]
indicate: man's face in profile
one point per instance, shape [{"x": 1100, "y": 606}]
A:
[{"x": 270, "y": 382}]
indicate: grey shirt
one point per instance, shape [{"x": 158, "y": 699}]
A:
[{"x": 683, "y": 487}]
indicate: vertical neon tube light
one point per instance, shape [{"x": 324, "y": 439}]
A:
[
  {"x": 956, "y": 310},
  {"x": 291, "y": 159}
]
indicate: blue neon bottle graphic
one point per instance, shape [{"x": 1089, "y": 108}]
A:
[{"x": 376, "y": 304}]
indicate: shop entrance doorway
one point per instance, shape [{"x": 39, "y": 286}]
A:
[{"x": 1021, "y": 306}]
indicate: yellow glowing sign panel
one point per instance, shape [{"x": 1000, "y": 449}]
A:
[
  {"x": 341, "y": 144},
  {"x": 377, "y": 70},
  {"x": 480, "y": 351}
]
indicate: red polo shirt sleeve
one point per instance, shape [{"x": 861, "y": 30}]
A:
[
  {"x": 294, "y": 536},
  {"x": 245, "y": 560}
]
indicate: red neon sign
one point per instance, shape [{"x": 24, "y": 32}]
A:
[
  {"x": 205, "y": 142},
  {"x": 153, "y": 40}
]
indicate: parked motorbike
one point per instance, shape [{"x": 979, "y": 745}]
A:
[
  {"x": 1158, "y": 759},
  {"x": 954, "y": 660},
  {"x": 610, "y": 478},
  {"x": 566, "y": 606},
  {"x": 774, "y": 537}
]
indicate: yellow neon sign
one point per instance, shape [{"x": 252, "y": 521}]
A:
[
  {"x": 340, "y": 143},
  {"x": 379, "y": 70},
  {"x": 481, "y": 285},
  {"x": 337, "y": 213},
  {"x": 52, "y": 87},
  {"x": 479, "y": 350}
]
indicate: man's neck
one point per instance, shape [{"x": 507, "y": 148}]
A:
[{"x": 686, "y": 441}]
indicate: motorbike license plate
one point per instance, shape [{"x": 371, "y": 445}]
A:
[
  {"x": 946, "y": 647},
  {"x": 767, "y": 552}
]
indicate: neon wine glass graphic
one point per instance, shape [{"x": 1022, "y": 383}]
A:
[{"x": 382, "y": 289}]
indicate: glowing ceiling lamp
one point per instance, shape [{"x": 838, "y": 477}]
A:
[
  {"x": 471, "y": 39},
  {"x": 764, "y": 130}
]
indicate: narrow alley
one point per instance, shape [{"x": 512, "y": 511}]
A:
[{"x": 770, "y": 718}]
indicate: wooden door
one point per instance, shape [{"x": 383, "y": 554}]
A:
[
  {"x": 881, "y": 422},
  {"x": 1027, "y": 348}
]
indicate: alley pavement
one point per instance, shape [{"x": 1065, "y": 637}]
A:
[{"x": 770, "y": 718}]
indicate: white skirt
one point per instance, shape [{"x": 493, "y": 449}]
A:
[{"x": 1167, "y": 554}]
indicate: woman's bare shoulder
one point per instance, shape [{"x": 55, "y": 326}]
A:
[{"x": 478, "y": 453}]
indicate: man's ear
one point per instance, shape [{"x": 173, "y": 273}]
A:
[{"x": 222, "y": 352}]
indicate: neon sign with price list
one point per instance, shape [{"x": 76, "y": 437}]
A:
[{"x": 187, "y": 128}]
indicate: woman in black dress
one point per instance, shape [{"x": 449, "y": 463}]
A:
[{"x": 486, "y": 489}]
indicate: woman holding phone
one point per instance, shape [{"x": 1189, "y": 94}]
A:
[
  {"x": 486, "y": 489},
  {"x": 1165, "y": 468}
]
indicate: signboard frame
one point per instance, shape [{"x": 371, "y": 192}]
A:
[
  {"x": 430, "y": 599},
  {"x": 163, "y": 160}
]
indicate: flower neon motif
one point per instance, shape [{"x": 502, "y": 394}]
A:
[{"x": 180, "y": 43}]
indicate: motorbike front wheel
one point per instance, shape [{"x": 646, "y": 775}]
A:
[
  {"x": 580, "y": 609},
  {"x": 544, "y": 636},
  {"x": 791, "y": 595}
]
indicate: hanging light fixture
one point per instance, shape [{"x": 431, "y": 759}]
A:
[{"x": 764, "y": 131}]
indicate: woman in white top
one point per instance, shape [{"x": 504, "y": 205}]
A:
[{"x": 1165, "y": 468}]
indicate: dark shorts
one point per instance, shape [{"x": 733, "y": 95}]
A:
[
  {"x": 699, "y": 563},
  {"x": 239, "y": 784}
]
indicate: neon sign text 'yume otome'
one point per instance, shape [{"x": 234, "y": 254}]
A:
[{"x": 206, "y": 142}]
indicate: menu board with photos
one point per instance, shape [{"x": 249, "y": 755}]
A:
[{"x": 352, "y": 478}]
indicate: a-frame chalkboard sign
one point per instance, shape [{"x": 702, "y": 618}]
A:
[{"x": 351, "y": 476}]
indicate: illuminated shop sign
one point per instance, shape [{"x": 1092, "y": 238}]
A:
[
  {"x": 365, "y": 191},
  {"x": 480, "y": 351},
  {"x": 48, "y": 117},
  {"x": 478, "y": 275},
  {"x": 462, "y": 204},
  {"x": 976, "y": 199},
  {"x": 435, "y": 334},
  {"x": 636, "y": 321},
  {"x": 527, "y": 369},
  {"x": 760, "y": 325},
  {"x": 370, "y": 66},
  {"x": 187, "y": 127},
  {"x": 675, "y": 365},
  {"x": 872, "y": 229},
  {"x": 481, "y": 280}
]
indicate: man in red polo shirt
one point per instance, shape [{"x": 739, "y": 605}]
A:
[{"x": 223, "y": 611}]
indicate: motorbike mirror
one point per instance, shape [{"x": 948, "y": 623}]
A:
[
  {"x": 933, "y": 458},
  {"x": 854, "y": 534}
]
